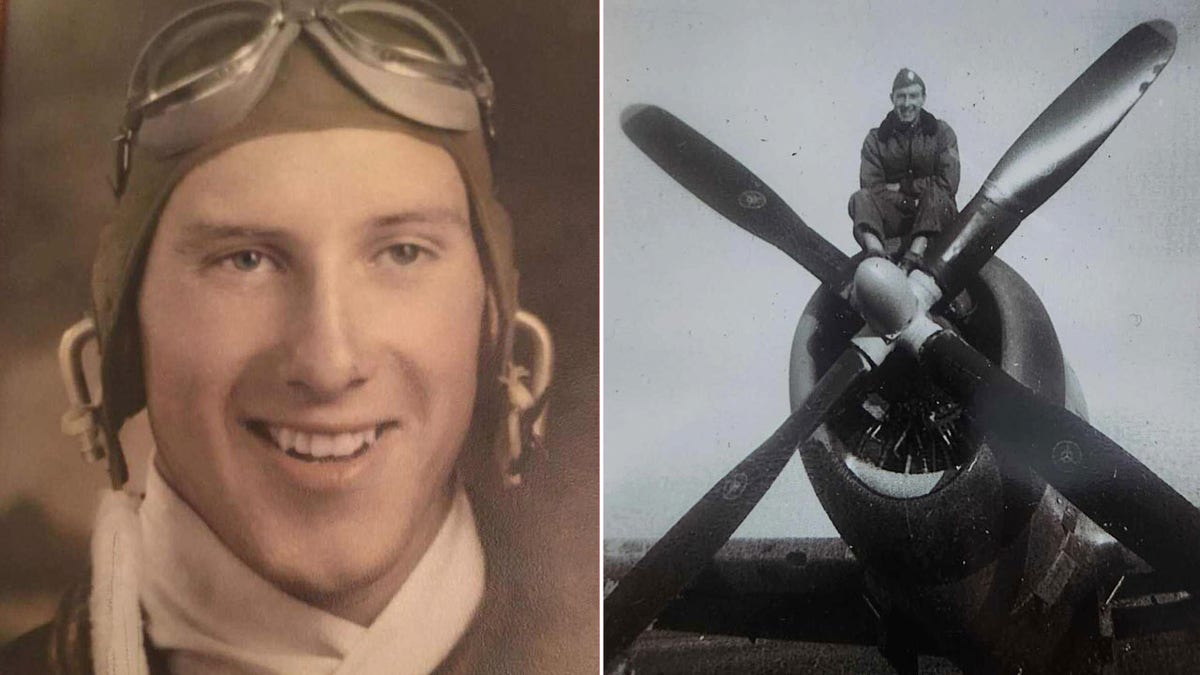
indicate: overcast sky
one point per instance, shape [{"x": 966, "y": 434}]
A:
[{"x": 699, "y": 315}]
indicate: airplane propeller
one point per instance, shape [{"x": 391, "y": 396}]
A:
[
  {"x": 1102, "y": 479},
  {"x": 1111, "y": 486},
  {"x": 688, "y": 546},
  {"x": 1049, "y": 152},
  {"x": 732, "y": 190}
]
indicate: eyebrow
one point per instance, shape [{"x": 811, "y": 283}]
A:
[
  {"x": 198, "y": 234},
  {"x": 201, "y": 233},
  {"x": 438, "y": 215}
]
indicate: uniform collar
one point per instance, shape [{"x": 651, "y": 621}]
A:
[{"x": 891, "y": 125}]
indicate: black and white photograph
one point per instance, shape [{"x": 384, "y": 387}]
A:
[{"x": 946, "y": 253}]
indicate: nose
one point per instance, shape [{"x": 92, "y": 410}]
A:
[{"x": 325, "y": 357}]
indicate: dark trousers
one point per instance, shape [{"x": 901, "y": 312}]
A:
[{"x": 895, "y": 218}]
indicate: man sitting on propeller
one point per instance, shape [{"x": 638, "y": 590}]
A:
[
  {"x": 1034, "y": 435},
  {"x": 908, "y": 177}
]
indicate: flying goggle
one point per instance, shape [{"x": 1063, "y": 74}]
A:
[{"x": 205, "y": 71}]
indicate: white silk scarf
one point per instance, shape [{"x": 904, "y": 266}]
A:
[{"x": 210, "y": 613}]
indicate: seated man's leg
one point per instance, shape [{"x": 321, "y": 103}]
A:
[
  {"x": 935, "y": 213},
  {"x": 882, "y": 217},
  {"x": 865, "y": 215}
]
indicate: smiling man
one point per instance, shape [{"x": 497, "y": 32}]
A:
[
  {"x": 309, "y": 286},
  {"x": 310, "y": 319},
  {"x": 908, "y": 178}
]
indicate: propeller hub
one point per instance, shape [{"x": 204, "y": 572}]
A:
[{"x": 883, "y": 296}]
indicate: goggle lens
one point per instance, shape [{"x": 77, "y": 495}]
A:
[
  {"x": 403, "y": 36},
  {"x": 197, "y": 44}
]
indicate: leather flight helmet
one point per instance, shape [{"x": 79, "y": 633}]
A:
[{"x": 308, "y": 77}]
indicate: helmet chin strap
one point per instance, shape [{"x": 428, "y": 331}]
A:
[
  {"x": 526, "y": 424},
  {"x": 84, "y": 417}
]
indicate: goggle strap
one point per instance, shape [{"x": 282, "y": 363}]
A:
[{"x": 123, "y": 144}]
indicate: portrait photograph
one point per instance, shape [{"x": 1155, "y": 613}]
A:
[
  {"x": 299, "y": 337},
  {"x": 768, "y": 171}
]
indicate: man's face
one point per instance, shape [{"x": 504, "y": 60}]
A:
[
  {"x": 310, "y": 320},
  {"x": 907, "y": 102}
]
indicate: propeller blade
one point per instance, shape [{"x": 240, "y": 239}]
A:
[
  {"x": 688, "y": 547},
  {"x": 1107, "y": 483},
  {"x": 732, "y": 190},
  {"x": 1049, "y": 152}
]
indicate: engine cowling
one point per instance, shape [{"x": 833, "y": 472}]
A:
[{"x": 909, "y": 483}]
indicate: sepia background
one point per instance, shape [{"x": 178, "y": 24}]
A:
[{"x": 64, "y": 75}]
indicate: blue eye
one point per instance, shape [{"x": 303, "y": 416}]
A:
[
  {"x": 404, "y": 254},
  {"x": 246, "y": 261}
]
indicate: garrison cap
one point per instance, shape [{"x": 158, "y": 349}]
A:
[{"x": 907, "y": 77}]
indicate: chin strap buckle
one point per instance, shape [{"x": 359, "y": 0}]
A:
[
  {"x": 82, "y": 418},
  {"x": 526, "y": 423}
]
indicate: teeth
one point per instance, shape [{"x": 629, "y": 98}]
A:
[
  {"x": 346, "y": 444},
  {"x": 286, "y": 438},
  {"x": 322, "y": 445}
]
